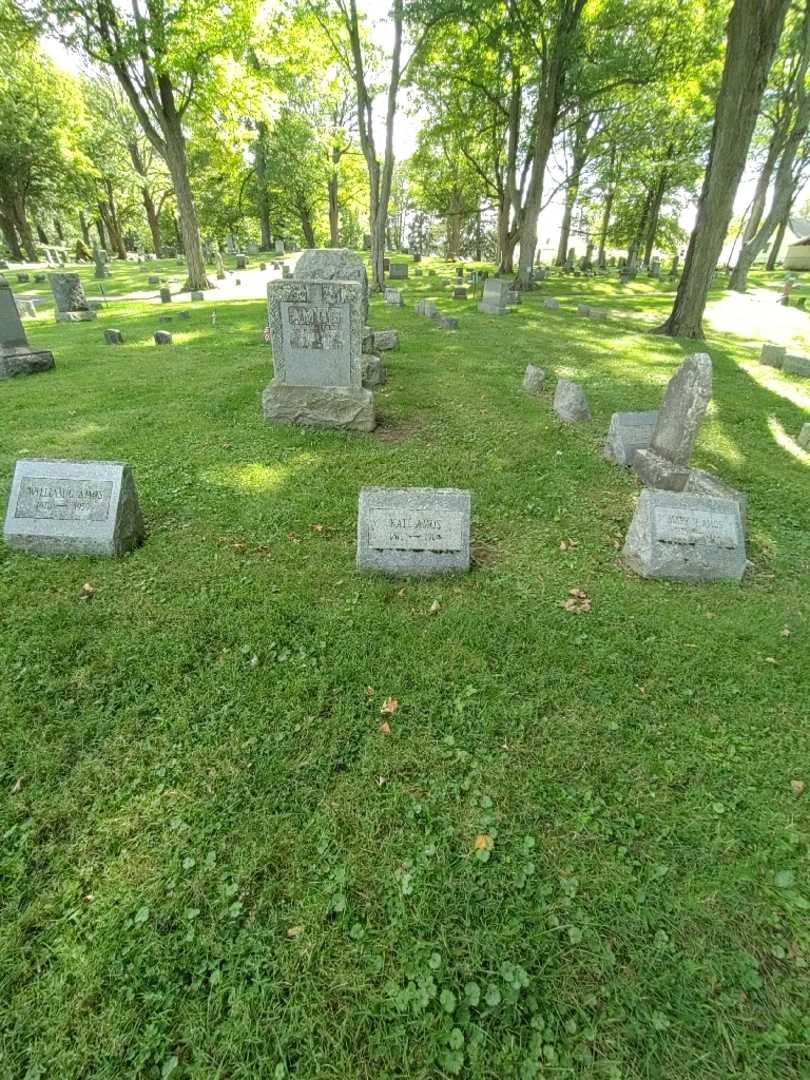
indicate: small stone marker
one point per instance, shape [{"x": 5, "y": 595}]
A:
[
  {"x": 551, "y": 303},
  {"x": 27, "y": 308},
  {"x": 73, "y": 508},
  {"x": 804, "y": 437},
  {"x": 384, "y": 340},
  {"x": 183, "y": 314},
  {"x": 414, "y": 530},
  {"x": 598, "y": 314},
  {"x": 197, "y": 295},
  {"x": 665, "y": 464},
  {"x": 241, "y": 262},
  {"x": 797, "y": 365},
  {"x": 279, "y": 247},
  {"x": 394, "y": 297},
  {"x": 514, "y": 297},
  {"x": 534, "y": 379},
  {"x": 447, "y": 322},
  {"x": 773, "y": 355},
  {"x": 317, "y": 333},
  {"x": 100, "y": 258},
  {"x": 459, "y": 293},
  {"x": 68, "y": 294},
  {"x": 165, "y": 295},
  {"x": 40, "y": 279},
  {"x": 628, "y": 432},
  {"x": 153, "y": 279},
  {"x": 113, "y": 337},
  {"x": 417, "y": 272},
  {"x": 16, "y": 355},
  {"x": 570, "y": 403},
  {"x": 495, "y": 298},
  {"x": 689, "y": 537},
  {"x": 163, "y": 337},
  {"x": 374, "y": 373},
  {"x": 23, "y": 278},
  {"x": 398, "y": 271},
  {"x": 427, "y": 308},
  {"x": 584, "y": 310}
]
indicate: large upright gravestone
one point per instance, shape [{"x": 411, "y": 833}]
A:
[
  {"x": 68, "y": 295},
  {"x": 73, "y": 508},
  {"x": 333, "y": 264},
  {"x": 688, "y": 537},
  {"x": 414, "y": 530},
  {"x": 665, "y": 464},
  {"x": 495, "y": 300},
  {"x": 317, "y": 333},
  {"x": 16, "y": 355}
]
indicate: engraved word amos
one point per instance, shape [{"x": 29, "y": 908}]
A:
[
  {"x": 311, "y": 327},
  {"x": 432, "y": 531},
  {"x": 690, "y": 526},
  {"x": 64, "y": 500}
]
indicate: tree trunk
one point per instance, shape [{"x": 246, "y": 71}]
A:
[
  {"x": 177, "y": 162},
  {"x": 778, "y": 241},
  {"x": 754, "y": 29},
  {"x": 763, "y": 183},
  {"x": 102, "y": 238},
  {"x": 24, "y": 229},
  {"x": 9, "y": 232},
  {"x": 478, "y": 236},
  {"x": 603, "y": 231},
  {"x": 153, "y": 219},
  {"x": 305, "y": 217},
  {"x": 334, "y": 212},
  {"x": 565, "y": 228},
  {"x": 85, "y": 230},
  {"x": 641, "y": 228},
  {"x": 507, "y": 238},
  {"x": 262, "y": 199},
  {"x": 60, "y": 232},
  {"x": 110, "y": 215},
  {"x": 654, "y": 215}
]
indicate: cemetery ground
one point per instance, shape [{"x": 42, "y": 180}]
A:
[{"x": 263, "y": 816}]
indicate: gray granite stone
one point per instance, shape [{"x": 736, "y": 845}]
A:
[
  {"x": 687, "y": 537},
  {"x": 666, "y": 463},
  {"x": 384, "y": 340},
  {"x": 534, "y": 379},
  {"x": 184, "y": 315},
  {"x": 317, "y": 329},
  {"x": 628, "y": 432},
  {"x": 17, "y": 360},
  {"x": 804, "y": 437},
  {"x": 27, "y": 308},
  {"x": 163, "y": 337},
  {"x": 459, "y": 293},
  {"x": 398, "y": 271},
  {"x": 773, "y": 355},
  {"x": 165, "y": 295},
  {"x": 333, "y": 264},
  {"x": 711, "y": 486},
  {"x": 797, "y": 365},
  {"x": 570, "y": 403},
  {"x": 394, "y": 297},
  {"x": 495, "y": 297},
  {"x": 417, "y": 531},
  {"x": 241, "y": 262},
  {"x": 23, "y": 278},
  {"x": 12, "y": 332},
  {"x": 427, "y": 308},
  {"x": 69, "y": 298},
  {"x": 583, "y": 309},
  {"x": 113, "y": 337},
  {"x": 374, "y": 373},
  {"x": 75, "y": 316},
  {"x": 551, "y": 303},
  {"x": 279, "y": 247},
  {"x": 196, "y": 295},
  {"x": 598, "y": 314},
  {"x": 153, "y": 279},
  {"x": 73, "y": 508},
  {"x": 102, "y": 270},
  {"x": 447, "y": 322},
  {"x": 367, "y": 341}
]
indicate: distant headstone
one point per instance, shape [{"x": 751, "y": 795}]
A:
[
  {"x": 533, "y": 379},
  {"x": 459, "y": 293},
  {"x": 571, "y": 259},
  {"x": 183, "y": 315},
  {"x": 23, "y": 278},
  {"x": 597, "y": 314},
  {"x": 394, "y": 297},
  {"x": 197, "y": 295},
  {"x": 386, "y": 266},
  {"x": 398, "y": 271},
  {"x": 27, "y": 309},
  {"x": 241, "y": 262},
  {"x": 262, "y": 265},
  {"x": 374, "y": 373},
  {"x": 584, "y": 310},
  {"x": 495, "y": 299},
  {"x": 113, "y": 337},
  {"x": 279, "y": 246},
  {"x": 100, "y": 258},
  {"x": 514, "y": 297},
  {"x": 665, "y": 464},
  {"x": 773, "y": 355},
  {"x": 417, "y": 531},
  {"x": 68, "y": 294},
  {"x": 163, "y": 337},
  {"x": 40, "y": 279},
  {"x": 628, "y": 432},
  {"x": 675, "y": 268},
  {"x": 570, "y": 403},
  {"x": 252, "y": 249},
  {"x": 317, "y": 332},
  {"x": 418, "y": 271},
  {"x": 16, "y": 355},
  {"x": 219, "y": 264},
  {"x": 73, "y": 508},
  {"x": 447, "y": 322},
  {"x": 333, "y": 264},
  {"x": 804, "y": 437},
  {"x": 165, "y": 295},
  {"x": 286, "y": 273},
  {"x": 153, "y": 279},
  {"x": 384, "y": 340},
  {"x": 417, "y": 257},
  {"x": 427, "y": 308},
  {"x": 797, "y": 365},
  {"x": 687, "y": 537},
  {"x": 3, "y": 264},
  {"x": 551, "y": 303}
]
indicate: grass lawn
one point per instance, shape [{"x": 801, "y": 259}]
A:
[{"x": 581, "y": 850}]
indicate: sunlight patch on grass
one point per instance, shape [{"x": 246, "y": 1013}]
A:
[
  {"x": 786, "y": 441},
  {"x": 256, "y": 476},
  {"x": 768, "y": 378}
]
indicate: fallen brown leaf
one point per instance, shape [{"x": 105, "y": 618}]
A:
[
  {"x": 578, "y": 601},
  {"x": 389, "y": 706},
  {"x": 797, "y": 787},
  {"x": 87, "y": 591},
  {"x": 385, "y": 727},
  {"x": 240, "y": 548},
  {"x": 435, "y": 607},
  {"x": 482, "y": 842},
  {"x": 295, "y": 931},
  {"x": 317, "y": 528},
  {"x": 17, "y": 785}
]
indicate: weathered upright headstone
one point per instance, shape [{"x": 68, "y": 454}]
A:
[
  {"x": 628, "y": 432},
  {"x": 394, "y": 297},
  {"x": 279, "y": 246},
  {"x": 163, "y": 337},
  {"x": 69, "y": 298},
  {"x": 687, "y": 537},
  {"x": 333, "y": 264},
  {"x": 100, "y": 259},
  {"x": 165, "y": 295},
  {"x": 220, "y": 265},
  {"x": 551, "y": 303},
  {"x": 773, "y": 355},
  {"x": 16, "y": 355},
  {"x": 317, "y": 331},
  {"x": 665, "y": 464},
  {"x": 495, "y": 300},
  {"x": 113, "y": 337},
  {"x": 241, "y": 262},
  {"x": 533, "y": 379},
  {"x": 398, "y": 271},
  {"x": 427, "y": 308},
  {"x": 570, "y": 403},
  {"x": 797, "y": 365},
  {"x": 418, "y": 531},
  {"x": 459, "y": 293},
  {"x": 197, "y": 295},
  {"x": 73, "y": 508}
]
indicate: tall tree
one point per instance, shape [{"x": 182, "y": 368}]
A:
[{"x": 753, "y": 32}]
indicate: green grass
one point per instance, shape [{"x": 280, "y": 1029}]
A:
[{"x": 215, "y": 864}]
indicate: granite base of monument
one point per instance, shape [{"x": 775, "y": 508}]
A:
[
  {"x": 629, "y": 432},
  {"x": 75, "y": 316},
  {"x": 320, "y": 406},
  {"x": 20, "y": 361},
  {"x": 419, "y": 531},
  {"x": 73, "y": 508},
  {"x": 686, "y": 537},
  {"x": 655, "y": 471}
]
